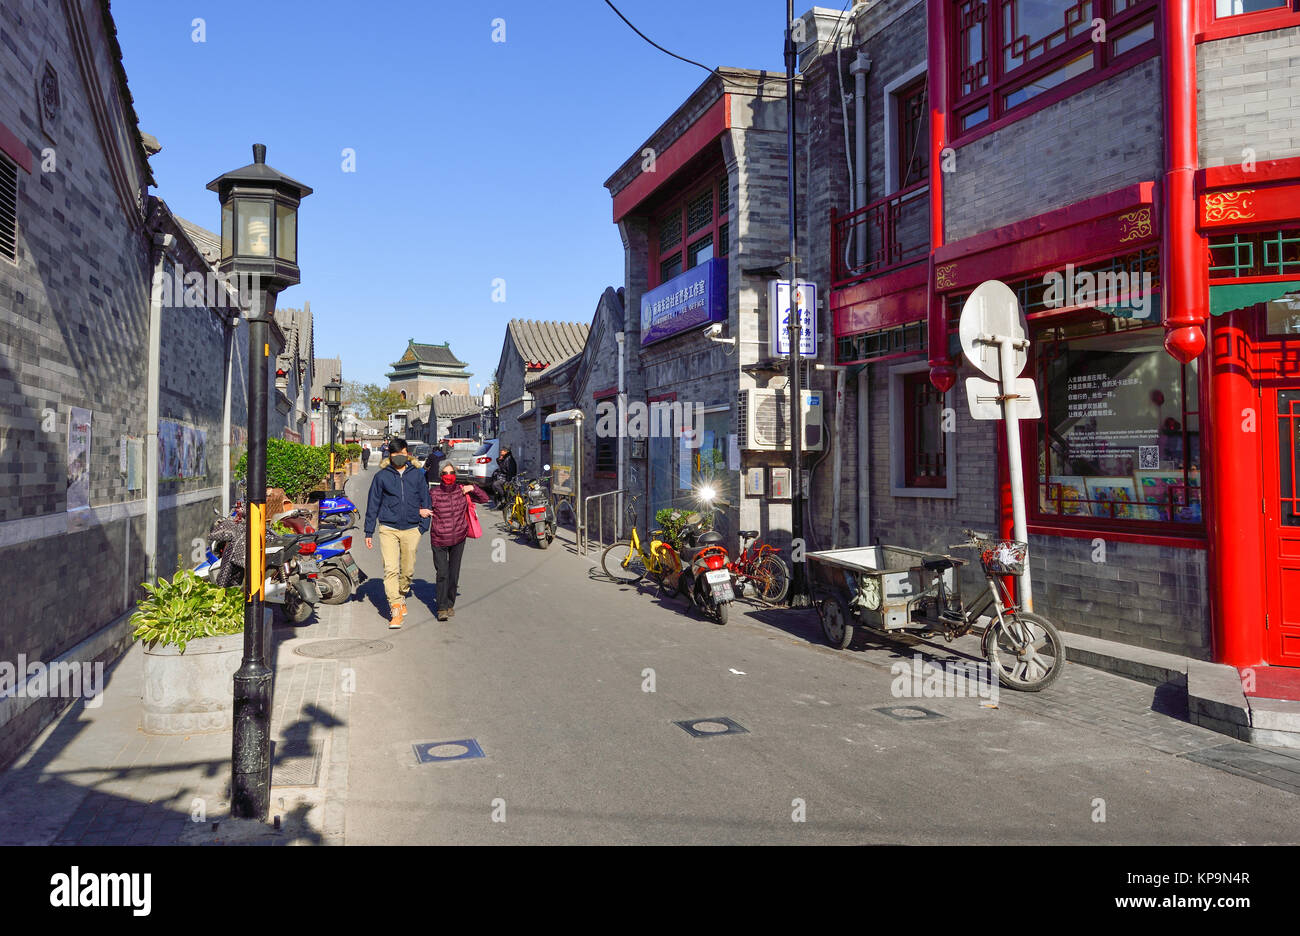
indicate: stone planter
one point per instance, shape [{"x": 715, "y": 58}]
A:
[{"x": 193, "y": 692}]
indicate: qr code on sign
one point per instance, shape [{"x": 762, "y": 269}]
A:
[{"x": 1148, "y": 457}]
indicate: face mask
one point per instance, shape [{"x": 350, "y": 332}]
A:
[
  {"x": 398, "y": 461},
  {"x": 448, "y": 481}
]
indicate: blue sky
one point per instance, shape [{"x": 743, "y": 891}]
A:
[{"x": 474, "y": 159}]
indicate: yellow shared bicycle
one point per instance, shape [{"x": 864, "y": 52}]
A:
[{"x": 629, "y": 561}]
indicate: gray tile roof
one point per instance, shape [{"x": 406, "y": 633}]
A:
[
  {"x": 326, "y": 370},
  {"x": 208, "y": 243},
  {"x": 453, "y": 406},
  {"x": 435, "y": 354},
  {"x": 541, "y": 344}
]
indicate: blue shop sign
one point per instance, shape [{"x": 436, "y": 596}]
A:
[{"x": 689, "y": 300}]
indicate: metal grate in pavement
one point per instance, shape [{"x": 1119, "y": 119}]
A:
[
  {"x": 1279, "y": 769},
  {"x": 295, "y": 763},
  {"x": 711, "y": 727},
  {"x": 439, "y": 752}
]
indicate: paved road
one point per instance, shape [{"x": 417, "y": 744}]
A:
[{"x": 546, "y": 666}]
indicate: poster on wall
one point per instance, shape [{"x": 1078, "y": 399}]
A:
[
  {"x": 685, "y": 461},
  {"x": 563, "y": 450},
  {"x": 78, "y": 458},
  {"x": 135, "y": 464},
  {"x": 182, "y": 450}
]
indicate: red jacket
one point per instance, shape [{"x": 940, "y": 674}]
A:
[{"x": 451, "y": 514}]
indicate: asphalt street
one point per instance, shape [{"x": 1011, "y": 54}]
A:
[{"x": 548, "y": 666}]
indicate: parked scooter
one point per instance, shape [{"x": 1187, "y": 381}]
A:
[
  {"x": 338, "y": 511},
  {"x": 541, "y": 512},
  {"x": 705, "y": 580},
  {"x": 291, "y": 572},
  {"x": 339, "y": 576}
]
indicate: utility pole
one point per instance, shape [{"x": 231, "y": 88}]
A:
[{"x": 798, "y": 586}]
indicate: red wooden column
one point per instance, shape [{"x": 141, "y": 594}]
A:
[
  {"x": 1234, "y": 514},
  {"x": 1184, "y": 273},
  {"x": 942, "y": 373}
]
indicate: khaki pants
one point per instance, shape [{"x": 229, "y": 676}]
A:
[{"x": 398, "y": 548}]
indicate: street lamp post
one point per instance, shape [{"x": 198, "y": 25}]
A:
[
  {"x": 259, "y": 244},
  {"x": 333, "y": 399}
]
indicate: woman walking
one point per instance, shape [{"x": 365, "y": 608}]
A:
[{"x": 448, "y": 530}]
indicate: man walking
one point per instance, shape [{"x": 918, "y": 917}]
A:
[
  {"x": 506, "y": 471},
  {"x": 398, "y": 502},
  {"x": 365, "y": 456}
]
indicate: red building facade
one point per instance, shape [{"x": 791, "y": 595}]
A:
[{"x": 1131, "y": 169}]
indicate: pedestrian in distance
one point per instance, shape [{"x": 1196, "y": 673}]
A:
[
  {"x": 449, "y": 515},
  {"x": 365, "y": 456},
  {"x": 398, "y": 504}
]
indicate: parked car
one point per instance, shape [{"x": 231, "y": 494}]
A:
[
  {"x": 461, "y": 453},
  {"x": 485, "y": 462},
  {"x": 420, "y": 451}
]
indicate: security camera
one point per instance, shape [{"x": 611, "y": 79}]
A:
[{"x": 714, "y": 330}]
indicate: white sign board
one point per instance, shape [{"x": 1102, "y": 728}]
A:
[
  {"x": 778, "y": 304},
  {"x": 985, "y": 398},
  {"x": 991, "y": 311}
]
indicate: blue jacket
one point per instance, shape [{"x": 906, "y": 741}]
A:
[{"x": 395, "y": 499}]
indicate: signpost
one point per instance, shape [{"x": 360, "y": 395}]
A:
[{"x": 993, "y": 339}]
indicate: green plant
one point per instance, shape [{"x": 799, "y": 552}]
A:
[
  {"x": 185, "y": 609},
  {"x": 672, "y": 521},
  {"x": 295, "y": 467}
]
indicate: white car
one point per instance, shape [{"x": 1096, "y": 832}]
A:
[{"x": 485, "y": 462}]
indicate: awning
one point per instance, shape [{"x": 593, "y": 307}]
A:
[{"x": 1235, "y": 296}]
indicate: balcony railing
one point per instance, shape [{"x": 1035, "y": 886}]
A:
[{"x": 888, "y": 233}]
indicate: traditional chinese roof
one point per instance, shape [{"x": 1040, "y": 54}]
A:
[
  {"x": 206, "y": 242},
  {"x": 541, "y": 344},
  {"x": 453, "y": 406},
  {"x": 437, "y": 354},
  {"x": 326, "y": 370}
]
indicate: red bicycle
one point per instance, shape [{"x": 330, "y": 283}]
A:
[{"x": 761, "y": 565}]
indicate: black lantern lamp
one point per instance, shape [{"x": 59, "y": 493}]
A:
[
  {"x": 333, "y": 399},
  {"x": 259, "y": 246}
]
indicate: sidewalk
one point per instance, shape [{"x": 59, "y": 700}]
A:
[{"x": 94, "y": 778}]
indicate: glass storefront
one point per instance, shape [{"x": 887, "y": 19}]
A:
[{"x": 1120, "y": 436}]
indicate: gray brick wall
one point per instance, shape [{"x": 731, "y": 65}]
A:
[
  {"x": 1101, "y": 139},
  {"x": 1249, "y": 90}
]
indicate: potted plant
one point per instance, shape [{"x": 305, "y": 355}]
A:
[{"x": 192, "y": 634}]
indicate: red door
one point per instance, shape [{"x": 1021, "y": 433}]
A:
[{"x": 1282, "y": 524}]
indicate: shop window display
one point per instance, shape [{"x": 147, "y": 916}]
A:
[{"x": 1120, "y": 435}]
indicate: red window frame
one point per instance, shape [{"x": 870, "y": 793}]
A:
[
  {"x": 1034, "y": 437},
  {"x": 917, "y": 392},
  {"x": 719, "y": 227},
  {"x": 912, "y": 127},
  {"x": 994, "y": 82},
  {"x": 1283, "y": 16}
]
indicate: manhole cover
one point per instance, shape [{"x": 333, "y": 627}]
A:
[
  {"x": 342, "y": 649},
  {"x": 908, "y": 712},
  {"x": 295, "y": 763},
  {"x": 711, "y": 727},
  {"x": 436, "y": 752}
]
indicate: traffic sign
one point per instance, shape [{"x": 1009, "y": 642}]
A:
[
  {"x": 985, "y": 398},
  {"x": 990, "y": 312}
]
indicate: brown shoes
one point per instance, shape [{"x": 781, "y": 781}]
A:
[
  {"x": 451, "y": 612},
  {"x": 443, "y": 615},
  {"x": 398, "y": 613}
]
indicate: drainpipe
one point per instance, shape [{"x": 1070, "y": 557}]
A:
[
  {"x": 942, "y": 374},
  {"x": 1184, "y": 274},
  {"x": 836, "y": 449},
  {"x": 621, "y": 338},
  {"x": 864, "y": 456},
  {"x": 161, "y": 244},
  {"x": 225, "y": 419},
  {"x": 859, "y": 69}
]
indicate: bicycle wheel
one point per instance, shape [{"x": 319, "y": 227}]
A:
[
  {"x": 771, "y": 579},
  {"x": 622, "y": 563},
  {"x": 1028, "y": 654}
]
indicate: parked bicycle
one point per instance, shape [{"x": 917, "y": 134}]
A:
[
  {"x": 761, "y": 568},
  {"x": 628, "y": 560}
]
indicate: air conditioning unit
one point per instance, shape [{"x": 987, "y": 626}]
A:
[{"x": 765, "y": 420}]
